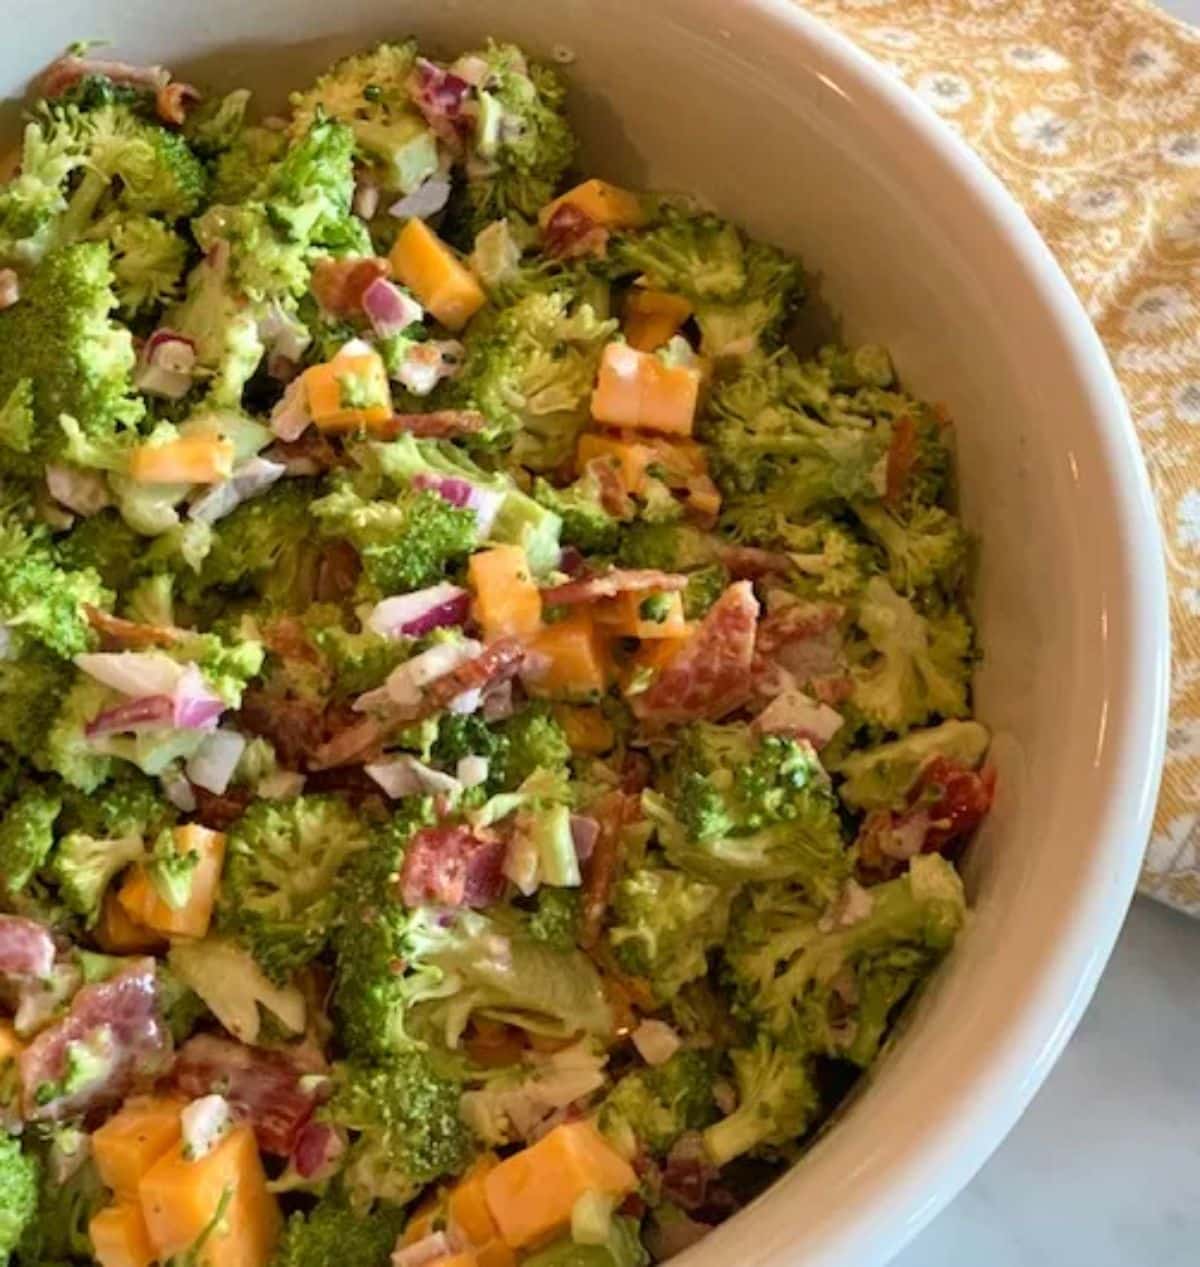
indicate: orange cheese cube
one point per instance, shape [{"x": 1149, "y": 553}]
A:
[
  {"x": 349, "y": 392},
  {"x": 198, "y": 459},
  {"x": 531, "y": 1194},
  {"x": 507, "y": 602},
  {"x": 567, "y": 659},
  {"x": 464, "y": 1258},
  {"x": 495, "y": 1254},
  {"x": 637, "y": 389},
  {"x": 606, "y": 205},
  {"x": 651, "y": 658},
  {"x": 119, "y": 1236},
  {"x": 628, "y": 456},
  {"x": 117, "y": 934},
  {"x": 131, "y": 1141},
  {"x": 179, "y": 1199},
  {"x": 652, "y": 317},
  {"x": 622, "y": 616},
  {"x": 144, "y": 905},
  {"x": 467, "y": 1205},
  {"x": 430, "y": 269},
  {"x": 587, "y": 729}
]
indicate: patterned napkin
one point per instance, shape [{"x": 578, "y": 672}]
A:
[{"x": 1089, "y": 111}]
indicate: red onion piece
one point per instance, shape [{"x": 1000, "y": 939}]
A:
[
  {"x": 584, "y": 833},
  {"x": 317, "y": 1150},
  {"x": 212, "y": 765},
  {"x": 166, "y": 364},
  {"x": 389, "y": 308},
  {"x": 84, "y": 492},
  {"x": 427, "y": 199},
  {"x": 251, "y": 477},
  {"x": 455, "y": 491},
  {"x": 291, "y": 418},
  {"x": 151, "y": 712},
  {"x": 411, "y": 615}
]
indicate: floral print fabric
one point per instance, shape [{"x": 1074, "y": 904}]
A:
[{"x": 1089, "y": 111}]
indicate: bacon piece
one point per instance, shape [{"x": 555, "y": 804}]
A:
[
  {"x": 117, "y": 634},
  {"x": 613, "y": 496},
  {"x": 339, "y": 284},
  {"x": 120, "y": 1019},
  {"x": 452, "y": 866},
  {"x": 801, "y": 645},
  {"x": 440, "y": 424},
  {"x": 337, "y": 572},
  {"x": 749, "y": 563},
  {"x": 571, "y": 233},
  {"x": 172, "y": 101},
  {"x": 611, "y": 583},
  {"x": 354, "y": 745},
  {"x": 67, "y": 71},
  {"x": 218, "y": 813},
  {"x": 287, "y": 638},
  {"x": 26, "y": 948},
  {"x": 710, "y": 675},
  {"x": 441, "y": 96},
  {"x": 263, "y": 1086},
  {"x": 349, "y": 781},
  {"x": 612, "y": 811},
  {"x": 310, "y": 453},
  {"x": 498, "y": 662},
  {"x": 293, "y": 726},
  {"x": 901, "y": 458}
]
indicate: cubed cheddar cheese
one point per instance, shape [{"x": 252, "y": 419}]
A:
[
  {"x": 467, "y": 1207},
  {"x": 117, "y": 934},
  {"x": 180, "y": 1197},
  {"x": 145, "y": 906},
  {"x": 507, "y": 602},
  {"x": 651, "y": 658},
  {"x": 606, "y": 205},
  {"x": 640, "y": 390},
  {"x": 198, "y": 459},
  {"x": 532, "y": 1193},
  {"x": 629, "y": 457},
  {"x": 622, "y": 616},
  {"x": 349, "y": 392},
  {"x": 120, "y": 1238},
  {"x": 133, "y": 1139},
  {"x": 462, "y": 1258},
  {"x": 495, "y": 1254},
  {"x": 435, "y": 275},
  {"x": 652, "y": 317},
  {"x": 587, "y": 729},
  {"x": 568, "y": 659}
]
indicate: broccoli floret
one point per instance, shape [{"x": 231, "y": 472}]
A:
[
  {"x": 533, "y": 741},
  {"x": 59, "y": 339},
  {"x": 752, "y": 807},
  {"x": 65, "y": 749},
  {"x": 31, "y": 203},
  {"x": 359, "y": 660},
  {"x": 666, "y": 547},
  {"x": 262, "y": 264},
  {"x": 701, "y": 257},
  {"x": 653, "y": 1107},
  {"x": 664, "y": 923},
  {"x": 282, "y": 859},
  {"x": 704, "y": 587},
  {"x": 18, "y": 1193},
  {"x": 106, "y": 543},
  {"x": 522, "y": 142},
  {"x": 882, "y": 777},
  {"x": 828, "y": 985},
  {"x": 622, "y": 1248},
  {"x": 776, "y": 1102},
  {"x": 216, "y": 123},
  {"x": 556, "y": 919},
  {"x": 928, "y": 549},
  {"x": 921, "y": 666},
  {"x": 407, "y": 1126},
  {"x": 39, "y": 598},
  {"x": 529, "y": 369},
  {"x": 148, "y": 259},
  {"x": 58, "y": 1232},
  {"x": 83, "y": 867},
  {"x": 130, "y": 804},
  {"x": 334, "y": 1232},
  {"x": 308, "y": 192},
  {"x": 754, "y": 319},
  {"x": 585, "y": 522},
  {"x": 519, "y": 521},
  {"x": 406, "y": 542},
  {"x": 31, "y": 693},
  {"x": 240, "y": 170},
  {"x": 26, "y": 836}
]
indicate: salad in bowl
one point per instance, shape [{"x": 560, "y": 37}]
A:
[{"x": 486, "y": 722}]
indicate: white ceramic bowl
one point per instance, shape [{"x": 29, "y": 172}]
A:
[{"x": 786, "y": 127}]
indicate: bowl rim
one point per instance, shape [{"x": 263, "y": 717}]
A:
[{"x": 882, "y": 1217}]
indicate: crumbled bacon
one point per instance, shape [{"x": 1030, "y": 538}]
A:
[
  {"x": 613, "y": 812},
  {"x": 452, "y": 866},
  {"x": 901, "y": 458},
  {"x": 688, "y": 1172},
  {"x": 120, "y": 1018},
  {"x": 338, "y": 285},
  {"x": 293, "y": 726},
  {"x": 337, "y": 572},
  {"x": 749, "y": 563},
  {"x": 611, "y": 583},
  {"x": 173, "y": 100},
  {"x": 571, "y": 233},
  {"x": 500, "y": 661},
  {"x": 441, "y": 97},
  {"x": 26, "y": 948},
  {"x": 117, "y": 634},
  {"x": 309, "y": 454},
  {"x": 262, "y": 1086},
  {"x": 219, "y": 813},
  {"x": 439, "y": 424},
  {"x": 613, "y": 496},
  {"x": 316, "y": 1150}
]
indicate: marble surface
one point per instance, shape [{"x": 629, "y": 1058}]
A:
[{"x": 1104, "y": 1168}]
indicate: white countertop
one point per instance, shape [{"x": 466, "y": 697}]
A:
[{"x": 1104, "y": 1168}]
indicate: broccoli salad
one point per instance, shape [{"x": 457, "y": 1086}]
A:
[{"x": 485, "y": 725}]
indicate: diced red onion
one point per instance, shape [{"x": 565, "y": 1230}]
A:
[
  {"x": 166, "y": 365},
  {"x": 389, "y": 308},
  {"x": 406, "y": 776},
  {"x": 197, "y": 705},
  {"x": 317, "y": 1150},
  {"x": 135, "y": 673},
  {"x": 84, "y": 492},
  {"x": 250, "y": 478},
  {"x": 427, "y": 199},
  {"x": 282, "y": 333},
  {"x": 471, "y": 771},
  {"x": 584, "y": 833},
  {"x": 457, "y": 492},
  {"x": 655, "y": 1041},
  {"x": 411, "y": 615},
  {"x": 571, "y": 561},
  {"x": 794, "y": 712},
  {"x": 471, "y": 67},
  {"x": 149, "y": 712},
  {"x": 426, "y": 364},
  {"x": 212, "y": 765},
  {"x": 291, "y": 417}
]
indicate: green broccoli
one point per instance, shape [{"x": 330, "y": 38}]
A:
[
  {"x": 522, "y": 144},
  {"x": 921, "y": 666},
  {"x": 217, "y": 122},
  {"x": 105, "y": 543},
  {"x": 148, "y": 259},
  {"x": 282, "y": 859},
  {"x": 701, "y": 257},
  {"x": 533, "y": 740},
  {"x": 754, "y": 319},
  {"x": 32, "y": 202},
  {"x": 664, "y": 923},
  {"x": 777, "y": 1101},
  {"x": 529, "y": 369},
  {"x": 239, "y": 171},
  {"x": 652, "y": 1107},
  {"x": 622, "y": 1248},
  {"x": 309, "y": 190},
  {"x": 555, "y": 921},
  {"x": 359, "y": 660},
  {"x": 334, "y": 1232},
  {"x": 31, "y": 693},
  {"x": 83, "y": 867},
  {"x": 585, "y": 521},
  {"x": 406, "y": 1126},
  {"x": 18, "y": 1193},
  {"x": 704, "y": 587},
  {"x": 666, "y": 547},
  {"x": 929, "y": 549},
  {"x": 60, "y": 340},
  {"x": 828, "y": 984},
  {"x": 262, "y": 264},
  {"x": 882, "y": 777},
  {"x": 751, "y": 807},
  {"x": 130, "y": 804},
  {"x": 405, "y": 542},
  {"x": 26, "y": 836}
]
